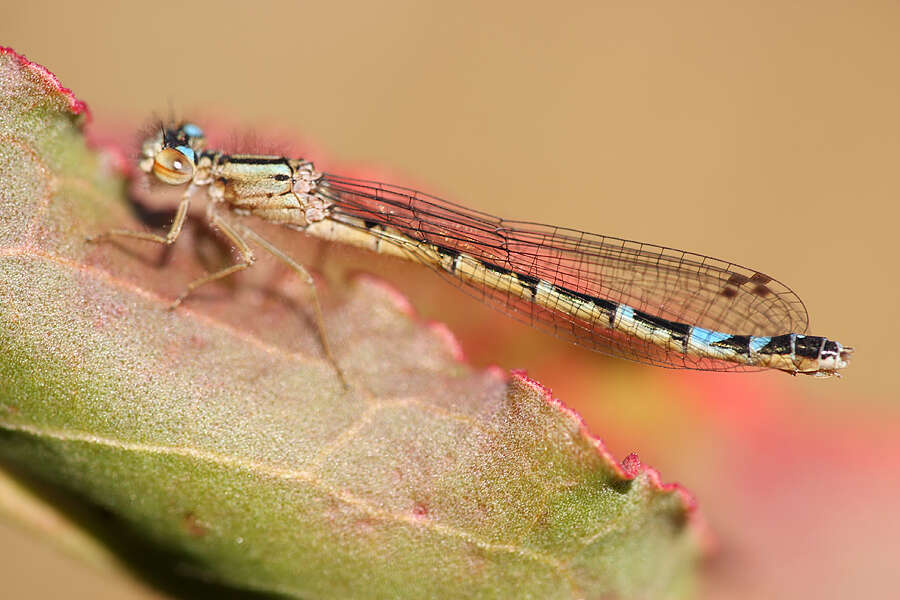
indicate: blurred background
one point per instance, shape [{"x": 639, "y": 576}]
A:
[{"x": 763, "y": 133}]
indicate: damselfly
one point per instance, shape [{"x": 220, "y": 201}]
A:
[{"x": 642, "y": 302}]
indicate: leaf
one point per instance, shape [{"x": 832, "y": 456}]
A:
[{"x": 218, "y": 433}]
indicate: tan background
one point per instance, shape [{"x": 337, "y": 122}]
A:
[{"x": 763, "y": 133}]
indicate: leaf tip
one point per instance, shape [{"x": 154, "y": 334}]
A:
[
  {"x": 50, "y": 82},
  {"x": 448, "y": 339},
  {"x": 398, "y": 301},
  {"x": 631, "y": 465}
]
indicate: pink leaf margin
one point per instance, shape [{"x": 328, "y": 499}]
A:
[
  {"x": 76, "y": 106},
  {"x": 631, "y": 466}
]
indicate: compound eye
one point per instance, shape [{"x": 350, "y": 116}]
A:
[
  {"x": 192, "y": 130},
  {"x": 174, "y": 165}
]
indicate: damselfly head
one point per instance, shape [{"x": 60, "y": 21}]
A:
[{"x": 171, "y": 153}]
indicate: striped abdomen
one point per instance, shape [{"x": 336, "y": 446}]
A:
[{"x": 790, "y": 352}]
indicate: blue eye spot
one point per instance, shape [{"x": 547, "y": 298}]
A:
[
  {"x": 187, "y": 152},
  {"x": 192, "y": 130}
]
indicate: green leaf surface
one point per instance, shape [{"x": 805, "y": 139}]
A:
[{"x": 219, "y": 433}]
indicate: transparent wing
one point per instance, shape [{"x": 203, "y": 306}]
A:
[{"x": 672, "y": 284}]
